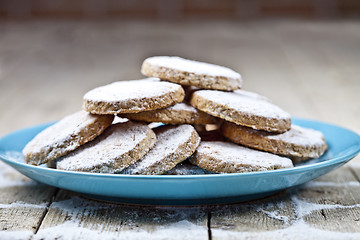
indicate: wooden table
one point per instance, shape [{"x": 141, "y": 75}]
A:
[{"x": 311, "y": 69}]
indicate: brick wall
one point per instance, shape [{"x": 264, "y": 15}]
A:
[{"x": 178, "y": 9}]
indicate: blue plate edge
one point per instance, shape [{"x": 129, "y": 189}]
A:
[{"x": 326, "y": 163}]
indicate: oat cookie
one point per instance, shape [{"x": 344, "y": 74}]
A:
[
  {"x": 194, "y": 73},
  {"x": 225, "y": 157},
  {"x": 119, "y": 146},
  {"x": 186, "y": 168},
  {"x": 180, "y": 113},
  {"x": 132, "y": 96},
  {"x": 174, "y": 145},
  {"x": 298, "y": 142},
  {"x": 242, "y": 110},
  {"x": 65, "y": 136}
]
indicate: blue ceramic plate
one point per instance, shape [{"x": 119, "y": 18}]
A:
[{"x": 186, "y": 190}]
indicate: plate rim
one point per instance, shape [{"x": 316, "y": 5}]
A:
[{"x": 333, "y": 161}]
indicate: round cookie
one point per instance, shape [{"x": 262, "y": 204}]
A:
[
  {"x": 64, "y": 136},
  {"x": 194, "y": 73},
  {"x": 119, "y": 146},
  {"x": 174, "y": 145},
  {"x": 298, "y": 142},
  {"x": 225, "y": 157},
  {"x": 132, "y": 96},
  {"x": 242, "y": 109},
  {"x": 180, "y": 113}
]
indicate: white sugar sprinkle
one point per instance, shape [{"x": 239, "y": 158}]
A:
[
  {"x": 243, "y": 103},
  {"x": 235, "y": 154},
  {"x": 132, "y": 89},
  {"x": 192, "y": 66}
]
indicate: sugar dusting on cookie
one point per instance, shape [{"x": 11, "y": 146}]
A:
[
  {"x": 192, "y": 66},
  {"x": 65, "y": 136},
  {"x": 174, "y": 144},
  {"x": 132, "y": 89},
  {"x": 114, "y": 150},
  {"x": 244, "y": 103},
  {"x": 300, "y": 135},
  {"x": 229, "y": 157},
  {"x": 298, "y": 143},
  {"x": 182, "y": 107}
]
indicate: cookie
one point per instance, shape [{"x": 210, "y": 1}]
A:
[
  {"x": 225, "y": 157},
  {"x": 132, "y": 96},
  {"x": 64, "y": 136},
  {"x": 186, "y": 168},
  {"x": 180, "y": 113},
  {"x": 302, "y": 143},
  {"x": 174, "y": 145},
  {"x": 116, "y": 148},
  {"x": 194, "y": 73},
  {"x": 242, "y": 109}
]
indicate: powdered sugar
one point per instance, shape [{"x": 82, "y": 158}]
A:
[
  {"x": 183, "y": 107},
  {"x": 104, "y": 151},
  {"x": 168, "y": 143},
  {"x": 191, "y": 66},
  {"x": 76, "y": 230},
  {"x": 244, "y": 103},
  {"x": 16, "y": 235},
  {"x": 61, "y": 137},
  {"x": 20, "y": 204},
  {"x": 132, "y": 89},
  {"x": 238, "y": 155},
  {"x": 300, "y": 136}
]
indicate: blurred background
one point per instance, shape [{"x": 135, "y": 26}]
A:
[
  {"x": 178, "y": 9},
  {"x": 304, "y": 55}
]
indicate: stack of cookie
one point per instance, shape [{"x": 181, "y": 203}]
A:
[{"x": 185, "y": 96}]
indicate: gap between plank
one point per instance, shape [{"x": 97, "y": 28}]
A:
[
  {"x": 46, "y": 210},
  {"x": 209, "y": 225}
]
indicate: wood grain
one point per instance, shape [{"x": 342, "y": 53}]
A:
[
  {"x": 23, "y": 202},
  {"x": 74, "y": 217}
]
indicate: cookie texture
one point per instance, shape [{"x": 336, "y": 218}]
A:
[
  {"x": 180, "y": 113},
  {"x": 299, "y": 142},
  {"x": 174, "y": 145},
  {"x": 242, "y": 109},
  {"x": 119, "y": 146},
  {"x": 186, "y": 168},
  {"x": 64, "y": 136},
  {"x": 132, "y": 96},
  {"x": 225, "y": 157},
  {"x": 194, "y": 73}
]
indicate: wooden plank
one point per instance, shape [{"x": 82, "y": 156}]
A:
[
  {"x": 334, "y": 200},
  {"x": 23, "y": 203},
  {"x": 73, "y": 217},
  {"x": 328, "y": 206}
]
